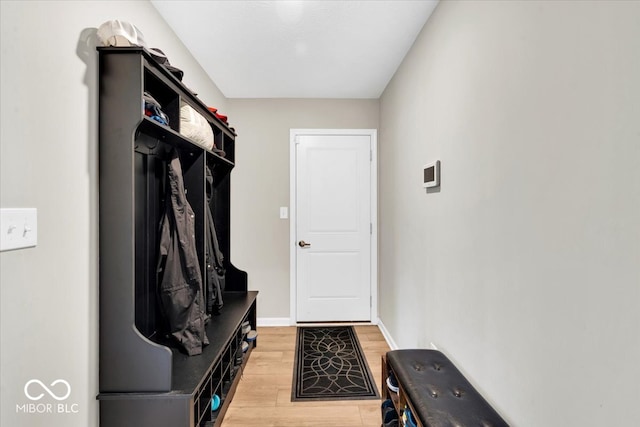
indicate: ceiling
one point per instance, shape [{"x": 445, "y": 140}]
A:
[{"x": 298, "y": 49}]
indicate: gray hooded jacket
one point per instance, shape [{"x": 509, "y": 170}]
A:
[{"x": 181, "y": 281}]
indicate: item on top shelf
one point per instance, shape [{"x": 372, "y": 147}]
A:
[
  {"x": 222, "y": 117},
  {"x": 218, "y": 115},
  {"x": 195, "y": 127},
  {"x": 120, "y": 34},
  {"x": 162, "y": 59}
]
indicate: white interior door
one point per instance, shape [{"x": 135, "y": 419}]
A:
[{"x": 333, "y": 229}]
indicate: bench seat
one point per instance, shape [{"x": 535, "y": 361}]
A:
[{"x": 438, "y": 392}]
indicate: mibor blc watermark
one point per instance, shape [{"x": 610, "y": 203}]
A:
[{"x": 36, "y": 390}]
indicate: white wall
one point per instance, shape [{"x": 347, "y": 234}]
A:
[
  {"x": 48, "y": 160},
  {"x": 260, "y": 184},
  {"x": 524, "y": 267}
]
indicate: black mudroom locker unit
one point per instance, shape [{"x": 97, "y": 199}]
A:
[{"x": 145, "y": 379}]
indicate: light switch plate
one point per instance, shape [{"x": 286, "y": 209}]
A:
[
  {"x": 18, "y": 228},
  {"x": 284, "y": 212}
]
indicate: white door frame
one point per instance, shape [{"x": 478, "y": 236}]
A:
[{"x": 293, "y": 134}]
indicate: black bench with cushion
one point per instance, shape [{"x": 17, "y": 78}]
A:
[{"x": 436, "y": 392}]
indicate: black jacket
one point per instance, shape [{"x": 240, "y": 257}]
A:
[
  {"x": 215, "y": 271},
  {"x": 181, "y": 281}
]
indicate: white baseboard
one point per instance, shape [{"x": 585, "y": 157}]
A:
[
  {"x": 274, "y": 321},
  {"x": 387, "y": 336}
]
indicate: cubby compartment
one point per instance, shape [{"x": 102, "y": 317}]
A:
[
  {"x": 168, "y": 99},
  {"x": 229, "y": 148},
  {"x": 145, "y": 379}
]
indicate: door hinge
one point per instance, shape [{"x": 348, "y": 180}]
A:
[
  {"x": 371, "y": 155},
  {"x": 370, "y": 300},
  {"x": 370, "y": 228}
]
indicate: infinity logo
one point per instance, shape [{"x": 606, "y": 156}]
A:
[{"x": 51, "y": 393}]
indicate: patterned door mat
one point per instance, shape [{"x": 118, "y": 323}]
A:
[{"x": 330, "y": 365}]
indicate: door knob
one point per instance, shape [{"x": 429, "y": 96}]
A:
[{"x": 303, "y": 244}]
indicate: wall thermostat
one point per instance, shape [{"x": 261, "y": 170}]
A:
[{"x": 431, "y": 174}]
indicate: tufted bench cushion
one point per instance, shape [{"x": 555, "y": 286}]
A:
[{"x": 440, "y": 395}]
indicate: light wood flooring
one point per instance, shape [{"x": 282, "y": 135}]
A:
[{"x": 263, "y": 397}]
